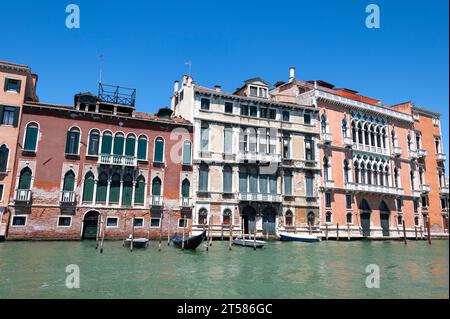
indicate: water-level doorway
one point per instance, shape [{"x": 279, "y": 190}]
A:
[
  {"x": 385, "y": 215},
  {"x": 248, "y": 216},
  {"x": 90, "y": 224},
  {"x": 268, "y": 221}
]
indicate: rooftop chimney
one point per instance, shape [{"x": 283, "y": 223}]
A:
[
  {"x": 291, "y": 74},
  {"x": 218, "y": 88},
  {"x": 175, "y": 86}
]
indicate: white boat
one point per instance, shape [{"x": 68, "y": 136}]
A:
[
  {"x": 248, "y": 242},
  {"x": 137, "y": 242},
  {"x": 307, "y": 238}
]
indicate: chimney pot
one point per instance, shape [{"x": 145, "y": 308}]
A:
[
  {"x": 291, "y": 73},
  {"x": 175, "y": 86},
  {"x": 218, "y": 88}
]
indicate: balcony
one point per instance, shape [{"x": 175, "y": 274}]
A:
[
  {"x": 397, "y": 151},
  {"x": 413, "y": 155},
  {"x": 260, "y": 157},
  {"x": 22, "y": 195},
  {"x": 156, "y": 201},
  {"x": 118, "y": 160},
  {"x": 441, "y": 157},
  {"x": 348, "y": 142},
  {"x": 421, "y": 152},
  {"x": 328, "y": 184},
  {"x": 258, "y": 197},
  {"x": 444, "y": 190},
  {"x": 370, "y": 148},
  {"x": 327, "y": 137},
  {"x": 424, "y": 188},
  {"x": 186, "y": 202},
  {"x": 374, "y": 189},
  {"x": 416, "y": 193},
  {"x": 67, "y": 197}
]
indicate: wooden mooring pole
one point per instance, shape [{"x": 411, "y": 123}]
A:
[
  {"x": 168, "y": 231},
  {"x": 210, "y": 230},
  {"x": 326, "y": 231},
  {"x": 337, "y": 231},
  {"x": 184, "y": 231},
  {"x": 132, "y": 234},
  {"x": 254, "y": 235},
  {"x": 103, "y": 225},
  {"x": 348, "y": 231},
  {"x": 428, "y": 230},
  {"x": 243, "y": 231},
  {"x": 97, "y": 236},
  {"x": 415, "y": 232},
  {"x": 421, "y": 232},
  {"x": 404, "y": 232},
  {"x": 160, "y": 231},
  {"x": 230, "y": 239}
]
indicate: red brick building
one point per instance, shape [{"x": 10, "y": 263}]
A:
[{"x": 99, "y": 165}]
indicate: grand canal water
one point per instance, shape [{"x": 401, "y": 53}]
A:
[{"x": 279, "y": 270}]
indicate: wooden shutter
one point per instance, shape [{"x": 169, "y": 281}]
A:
[
  {"x": 118, "y": 145},
  {"x": 106, "y": 144},
  {"x": 187, "y": 153},
  {"x": 142, "y": 149},
  {"x": 156, "y": 186},
  {"x": 185, "y": 188},
  {"x": 1, "y": 114},
  {"x": 16, "y": 116},
  {"x": 139, "y": 192},
  {"x": 69, "y": 182},
  {"x": 25, "y": 179},
  {"x": 88, "y": 188},
  {"x": 102, "y": 184},
  {"x": 4, "y": 153},
  {"x": 127, "y": 191},
  {"x": 130, "y": 146},
  {"x": 31, "y": 138},
  {"x": 114, "y": 191},
  {"x": 159, "y": 147},
  {"x": 68, "y": 143}
]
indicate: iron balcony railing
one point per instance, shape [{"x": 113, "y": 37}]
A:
[
  {"x": 327, "y": 137},
  {"x": 259, "y": 197},
  {"x": 22, "y": 195},
  {"x": 156, "y": 200},
  {"x": 67, "y": 197},
  {"x": 116, "y": 95},
  {"x": 120, "y": 160},
  {"x": 185, "y": 202}
]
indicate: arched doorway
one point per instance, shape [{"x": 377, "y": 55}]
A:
[
  {"x": 268, "y": 220},
  {"x": 365, "y": 212},
  {"x": 311, "y": 219},
  {"x": 90, "y": 223},
  {"x": 385, "y": 215},
  {"x": 248, "y": 215}
]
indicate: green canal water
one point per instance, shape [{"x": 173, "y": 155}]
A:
[{"x": 279, "y": 270}]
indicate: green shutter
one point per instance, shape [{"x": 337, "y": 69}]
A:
[
  {"x": 88, "y": 189},
  {"x": 25, "y": 179},
  {"x": 187, "y": 153},
  {"x": 139, "y": 191},
  {"x": 185, "y": 188},
  {"x": 156, "y": 187},
  {"x": 114, "y": 191},
  {"x": 127, "y": 191},
  {"x": 1, "y": 114},
  {"x": 69, "y": 182},
  {"x": 118, "y": 145},
  {"x": 4, "y": 153},
  {"x": 68, "y": 146},
  {"x": 102, "y": 184},
  {"x": 129, "y": 146},
  {"x": 16, "y": 116},
  {"x": 159, "y": 147},
  {"x": 106, "y": 144},
  {"x": 31, "y": 138},
  {"x": 76, "y": 145},
  {"x": 142, "y": 149},
  {"x": 19, "y": 84}
]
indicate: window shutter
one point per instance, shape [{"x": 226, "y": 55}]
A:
[
  {"x": 5, "y": 86},
  {"x": 242, "y": 182},
  {"x": 1, "y": 114},
  {"x": 187, "y": 153},
  {"x": 25, "y": 179},
  {"x": 76, "y": 147},
  {"x": 68, "y": 143},
  {"x": 159, "y": 146},
  {"x": 142, "y": 149},
  {"x": 106, "y": 144},
  {"x": 114, "y": 192},
  {"x": 139, "y": 193},
  {"x": 129, "y": 146},
  {"x": 253, "y": 183},
  {"x": 227, "y": 181},
  {"x": 156, "y": 187},
  {"x": 102, "y": 184},
  {"x": 118, "y": 145},
  {"x": 19, "y": 84},
  {"x": 4, "y": 152},
  {"x": 273, "y": 184},
  {"x": 185, "y": 189},
  {"x": 88, "y": 189},
  {"x": 263, "y": 184},
  {"x": 31, "y": 138},
  {"x": 69, "y": 182},
  {"x": 127, "y": 193},
  {"x": 16, "y": 116}
]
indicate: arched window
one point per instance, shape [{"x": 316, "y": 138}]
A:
[
  {"x": 25, "y": 179},
  {"x": 323, "y": 124},
  {"x": 226, "y": 219},
  {"x": 114, "y": 190},
  {"x": 326, "y": 169},
  {"x": 287, "y": 183},
  {"x": 88, "y": 188},
  {"x": 354, "y": 132},
  {"x": 375, "y": 174},
  {"x": 386, "y": 175},
  {"x": 253, "y": 139},
  {"x": 344, "y": 127},
  {"x": 372, "y": 135},
  {"x": 346, "y": 172},
  {"x": 289, "y": 218},
  {"x": 118, "y": 144},
  {"x": 106, "y": 143},
  {"x": 311, "y": 217},
  {"x": 156, "y": 186},
  {"x": 349, "y": 218},
  {"x": 94, "y": 142},
  {"x": 73, "y": 141},
  {"x": 130, "y": 145},
  {"x": 383, "y": 137},
  {"x": 158, "y": 156},
  {"x": 127, "y": 190},
  {"x": 412, "y": 179},
  {"x": 328, "y": 217},
  {"x": 363, "y": 173},
  {"x": 185, "y": 188},
  {"x": 227, "y": 179},
  {"x": 396, "y": 177},
  {"x": 366, "y": 134},
  {"x": 360, "y": 134},
  {"x": 4, "y": 155},
  {"x": 142, "y": 148},
  {"x": 203, "y": 178},
  {"x": 357, "y": 172},
  {"x": 369, "y": 174},
  {"x": 394, "y": 138},
  {"x": 69, "y": 181},
  {"x": 139, "y": 191},
  {"x": 31, "y": 137},
  {"x": 203, "y": 216},
  {"x": 187, "y": 153},
  {"x": 102, "y": 185},
  {"x": 381, "y": 174}
]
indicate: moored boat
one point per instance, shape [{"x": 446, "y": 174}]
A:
[
  {"x": 191, "y": 242},
  {"x": 307, "y": 238},
  {"x": 248, "y": 242},
  {"x": 137, "y": 242}
]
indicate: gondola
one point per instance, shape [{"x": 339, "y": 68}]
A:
[{"x": 191, "y": 242}]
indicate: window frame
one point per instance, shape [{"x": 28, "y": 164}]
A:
[
  {"x": 7, "y": 83},
  {"x": 63, "y": 226},
  {"x": 138, "y": 218},
  {"x": 19, "y": 216},
  {"x": 111, "y": 218},
  {"x": 163, "y": 149},
  {"x": 228, "y": 103},
  {"x": 37, "y": 137},
  {"x": 202, "y": 99},
  {"x": 159, "y": 222}
]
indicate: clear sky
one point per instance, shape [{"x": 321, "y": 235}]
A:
[{"x": 146, "y": 43}]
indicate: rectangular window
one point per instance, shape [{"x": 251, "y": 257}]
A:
[
  {"x": 263, "y": 113},
  {"x": 327, "y": 200},
  {"x": 64, "y": 221},
  {"x": 112, "y": 222},
  {"x": 309, "y": 186},
  {"x": 94, "y": 142},
  {"x": 155, "y": 222},
  {"x": 288, "y": 185},
  {"x": 253, "y": 111},
  {"x": 182, "y": 222},
  {"x": 204, "y": 138},
  {"x": 242, "y": 182},
  {"x": 19, "y": 221},
  {"x": 229, "y": 107},
  {"x": 204, "y": 104},
  {"x": 203, "y": 180},
  {"x": 424, "y": 201},
  {"x": 227, "y": 181},
  {"x": 307, "y": 118},
  {"x": 309, "y": 149},
  {"x": 228, "y": 140},
  {"x": 416, "y": 206},
  {"x": 443, "y": 203},
  {"x": 73, "y": 138},
  {"x": 399, "y": 204},
  {"x": 286, "y": 116},
  {"x": 187, "y": 153},
  {"x": 12, "y": 85},
  {"x": 399, "y": 220},
  {"x": 8, "y": 115},
  {"x": 263, "y": 184},
  {"x": 272, "y": 114},
  {"x": 253, "y": 183},
  {"x": 244, "y": 110},
  {"x": 1, "y": 192},
  {"x": 273, "y": 184},
  {"x": 253, "y": 91},
  {"x": 348, "y": 201},
  {"x": 138, "y": 222}
]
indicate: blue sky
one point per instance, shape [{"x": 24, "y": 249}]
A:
[{"x": 145, "y": 45}]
